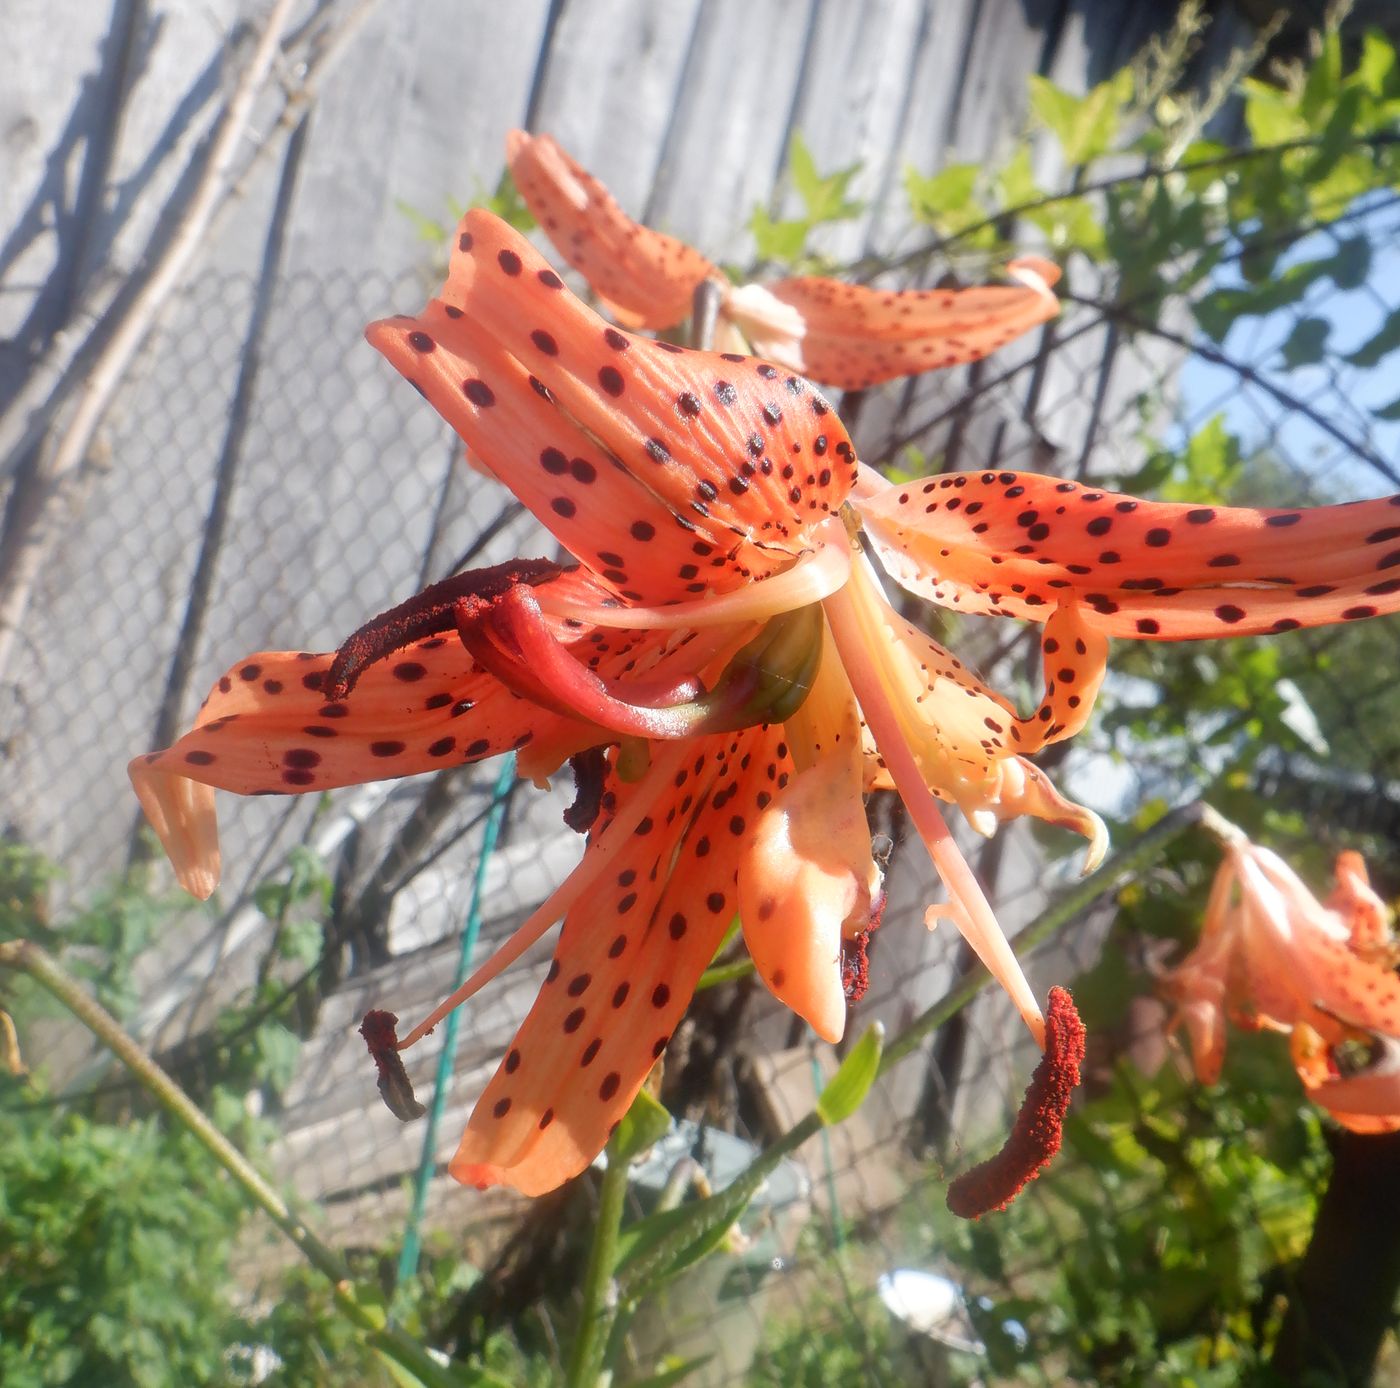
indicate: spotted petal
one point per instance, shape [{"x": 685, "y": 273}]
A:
[
  {"x": 965, "y": 738},
  {"x": 1021, "y": 545},
  {"x": 646, "y": 279},
  {"x": 807, "y": 879},
  {"x": 624, "y": 970},
  {"x": 852, "y": 336},
  {"x": 616, "y": 441},
  {"x": 267, "y": 728}
]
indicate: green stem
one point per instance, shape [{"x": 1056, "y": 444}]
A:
[
  {"x": 599, "y": 1290},
  {"x": 29, "y": 958}
]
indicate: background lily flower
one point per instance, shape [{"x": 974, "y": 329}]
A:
[
  {"x": 1270, "y": 955},
  {"x": 845, "y": 335}
]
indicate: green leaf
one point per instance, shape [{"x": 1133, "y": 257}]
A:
[
  {"x": 1086, "y": 126},
  {"x": 1072, "y": 224},
  {"x": 1376, "y": 70},
  {"x": 676, "y": 1373},
  {"x": 1324, "y": 80},
  {"x": 851, "y": 1083},
  {"x": 1307, "y": 343},
  {"x": 508, "y": 205},
  {"x": 946, "y": 200},
  {"x": 1271, "y": 115},
  {"x": 661, "y": 1245},
  {"x": 724, "y": 973},
  {"x": 1015, "y": 183},
  {"x": 278, "y": 1051},
  {"x": 824, "y": 196},
  {"x": 643, "y": 1125},
  {"x": 428, "y": 229},
  {"x": 300, "y": 941},
  {"x": 1390, "y": 413},
  {"x": 780, "y": 241},
  {"x": 1350, "y": 263},
  {"x": 1379, "y": 346}
]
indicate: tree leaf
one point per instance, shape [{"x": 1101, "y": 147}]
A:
[
  {"x": 1380, "y": 345},
  {"x": 780, "y": 241},
  {"x": 1307, "y": 343}
]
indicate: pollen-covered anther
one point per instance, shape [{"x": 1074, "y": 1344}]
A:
[
  {"x": 1036, "y": 1134},
  {"x": 590, "y": 770},
  {"x": 380, "y": 1030},
  {"x": 433, "y": 612}
]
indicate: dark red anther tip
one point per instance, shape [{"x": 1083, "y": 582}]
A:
[
  {"x": 380, "y": 1032},
  {"x": 1038, "y": 1130}
]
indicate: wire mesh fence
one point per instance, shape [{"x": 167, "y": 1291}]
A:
[{"x": 340, "y": 494}]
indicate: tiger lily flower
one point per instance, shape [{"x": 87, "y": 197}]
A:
[
  {"x": 845, "y": 335},
  {"x": 1271, "y": 956},
  {"x": 722, "y": 669}
]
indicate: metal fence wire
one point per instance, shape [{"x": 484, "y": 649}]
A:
[{"x": 324, "y": 490}]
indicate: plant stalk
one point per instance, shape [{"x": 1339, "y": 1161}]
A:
[{"x": 599, "y": 1309}]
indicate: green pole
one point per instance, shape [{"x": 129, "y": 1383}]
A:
[{"x": 413, "y": 1232}]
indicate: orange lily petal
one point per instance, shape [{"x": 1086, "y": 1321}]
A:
[
  {"x": 1366, "y": 916},
  {"x": 1020, "y": 545},
  {"x": 853, "y": 336},
  {"x": 806, "y": 874},
  {"x": 623, "y": 973},
  {"x": 1325, "y": 973},
  {"x": 646, "y": 279},
  {"x": 614, "y": 440},
  {"x": 1367, "y": 1102},
  {"x": 963, "y": 736},
  {"x": 266, "y": 728}
]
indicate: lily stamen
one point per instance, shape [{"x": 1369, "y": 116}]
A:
[{"x": 976, "y": 918}]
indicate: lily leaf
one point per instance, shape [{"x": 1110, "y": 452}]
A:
[
  {"x": 643, "y": 1125},
  {"x": 661, "y": 1245},
  {"x": 851, "y": 1083}
]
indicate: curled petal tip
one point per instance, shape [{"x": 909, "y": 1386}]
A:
[
  {"x": 181, "y": 812},
  {"x": 1096, "y": 831},
  {"x": 1037, "y": 273}
]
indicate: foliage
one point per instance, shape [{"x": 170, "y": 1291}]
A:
[
  {"x": 115, "y": 1242},
  {"x": 825, "y": 199}
]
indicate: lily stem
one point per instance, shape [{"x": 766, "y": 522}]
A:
[
  {"x": 29, "y": 958},
  {"x": 600, "y": 1296}
]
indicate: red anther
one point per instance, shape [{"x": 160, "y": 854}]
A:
[
  {"x": 379, "y": 1031},
  {"x": 590, "y": 770},
  {"x": 1036, "y": 1134},
  {"x": 855, "y": 959},
  {"x": 433, "y": 612}
]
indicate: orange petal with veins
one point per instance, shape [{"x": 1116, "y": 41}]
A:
[
  {"x": 1018, "y": 544},
  {"x": 646, "y": 278},
  {"x": 624, "y": 970},
  {"x": 615, "y": 442},
  {"x": 853, "y": 336}
]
